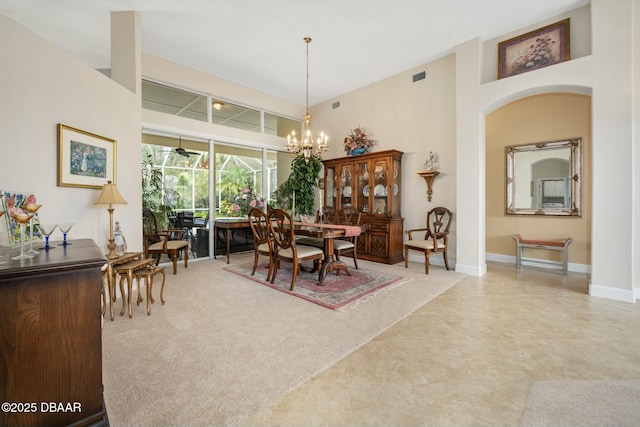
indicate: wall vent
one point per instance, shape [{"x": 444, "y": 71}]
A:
[
  {"x": 419, "y": 76},
  {"x": 335, "y": 105}
]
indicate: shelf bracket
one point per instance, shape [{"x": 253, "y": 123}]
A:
[{"x": 429, "y": 176}]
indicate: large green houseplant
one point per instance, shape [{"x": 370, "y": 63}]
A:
[
  {"x": 302, "y": 180},
  {"x": 153, "y": 196}
]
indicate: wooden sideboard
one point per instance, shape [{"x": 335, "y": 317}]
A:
[
  {"x": 372, "y": 183},
  {"x": 51, "y": 337}
]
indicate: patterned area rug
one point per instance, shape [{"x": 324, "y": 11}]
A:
[{"x": 337, "y": 293}]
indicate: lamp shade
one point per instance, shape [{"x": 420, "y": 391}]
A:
[{"x": 110, "y": 195}]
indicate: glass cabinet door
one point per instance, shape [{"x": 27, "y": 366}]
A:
[
  {"x": 381, "y": 187},
  {"x": 346, "y": 196},
  {"x": 330, "y": 186},
  {"x": 394, "y": 187},
  {"x": 363, "y": 193}
]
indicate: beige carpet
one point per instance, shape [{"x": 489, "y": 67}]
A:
[
  {"x": 614, "y": 403},
  {"x": 223, "y": 347}
]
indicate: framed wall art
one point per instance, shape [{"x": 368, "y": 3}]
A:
[
  {"x": 85, "y": 159},
  {"x": 536, "y": 49}
]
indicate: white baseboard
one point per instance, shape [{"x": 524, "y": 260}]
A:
[
  {"x": 609, "y": 292},
  {"x": 508, "y": 259},
  {"x": 534, "y": 262},
  {"x": 471, "y": 270}
]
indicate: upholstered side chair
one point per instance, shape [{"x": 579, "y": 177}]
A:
[
  {"x": 157, "y": 242},
  {"x": 433, "y": 238}
]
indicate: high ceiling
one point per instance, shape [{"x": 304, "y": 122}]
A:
[{"x": 259, "y": 43}]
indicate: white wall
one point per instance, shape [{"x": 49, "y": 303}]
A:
[
  {"x": 613, "y": 127},
  {"x": 414, "y": 118},
  {"x": 635, "y": 252},
  {"x": 608, "y": 74},
  {"x": 41, "y": 86}
]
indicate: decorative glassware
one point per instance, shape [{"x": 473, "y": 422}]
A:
[
  {"x": 22, "y": 219},
  {"x": 65, "y": 227},
  {"x": 32, "y": 208},
  {"x": 47, "y": 230}
]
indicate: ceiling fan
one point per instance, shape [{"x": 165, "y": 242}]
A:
[{"x": 182, "y": 151}]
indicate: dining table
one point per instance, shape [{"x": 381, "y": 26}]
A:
[
  {"x": 327, "y": 232},
  {"x": 229, "y": 225}
]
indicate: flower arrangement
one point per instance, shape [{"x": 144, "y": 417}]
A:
[
  {"x": 357, "y": 142},
  {"x": 538, "y": 55},
  {"x": 246, "y": 200}
]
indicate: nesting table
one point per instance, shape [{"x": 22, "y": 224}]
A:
[{"x": 125, "y": 265}]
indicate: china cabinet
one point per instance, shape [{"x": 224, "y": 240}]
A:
[{"x": 372, "y": 183}]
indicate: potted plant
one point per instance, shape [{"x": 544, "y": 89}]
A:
[
  {"x": 245, "y": 200},
  {"x": 153, "y": 197},
  {"x": 302, "y": 182}
]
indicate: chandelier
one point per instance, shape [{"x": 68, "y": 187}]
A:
[{"x": 307, "y": 146}]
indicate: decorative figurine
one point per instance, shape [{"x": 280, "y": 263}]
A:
[
  {"x": 120, "y": 241},
  {"x": 429, "y": 164}
]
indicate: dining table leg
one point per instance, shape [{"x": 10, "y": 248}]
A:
[{"x": 330, "y": 262}]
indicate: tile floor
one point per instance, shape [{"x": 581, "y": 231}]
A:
[{"x": 468, "y": 357}]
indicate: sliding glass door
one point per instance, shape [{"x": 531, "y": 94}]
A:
[{"x": 191, "y": 199}]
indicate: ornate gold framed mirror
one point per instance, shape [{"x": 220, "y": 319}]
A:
[{"x": 544, "y": 178}]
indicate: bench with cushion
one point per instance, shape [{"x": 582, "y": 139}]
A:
[{"x": 543, "y": 244}]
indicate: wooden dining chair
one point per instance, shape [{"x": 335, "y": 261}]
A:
[
  {"x": 347, "y": 216},
  {"x": 286, "y": 249},
  {"x": 157, "y": 242},
  {"x": 326, "y": 214},
  {"x": 262, "y": 240},
  {"x": 433, "y": 238}
]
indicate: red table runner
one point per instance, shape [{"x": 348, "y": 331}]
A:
[{"x": 349, "y": 230}]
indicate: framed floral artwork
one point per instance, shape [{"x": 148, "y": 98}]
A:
[
  {"x": 534, "y": 50},
  {"x": 85, "y": 159}
]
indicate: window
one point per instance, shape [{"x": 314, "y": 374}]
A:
[
  {"x": 192, "y": 105},
  {"x": 239, "y": 168},
  {"x": 185, "y": 177},
  {"x": 170, "y": 100},
  {"x": 235, "y": 116},
  {"x": 280, "y": 126}
]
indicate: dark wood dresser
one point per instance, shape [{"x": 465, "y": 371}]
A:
[{"x": 51, "y": 337}]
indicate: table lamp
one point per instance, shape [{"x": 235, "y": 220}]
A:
[{"x": 110, "y": 196}]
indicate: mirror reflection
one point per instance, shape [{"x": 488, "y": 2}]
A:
[{"x": 544, "y": 178}]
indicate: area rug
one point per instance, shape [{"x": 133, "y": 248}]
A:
[
  {"x": 583, "y": 403},
  {"x": 337, "y": 292}
]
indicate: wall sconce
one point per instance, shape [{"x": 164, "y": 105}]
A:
[
  {"x": 429, "y": 176},
  {"x": 110, "y": 196}
]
